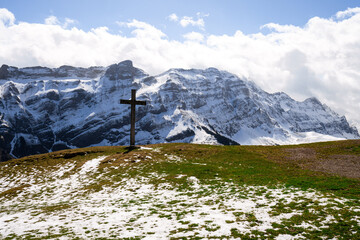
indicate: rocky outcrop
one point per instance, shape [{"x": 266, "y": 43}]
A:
[
  {"x": 44, "y": 109},
  {"x": 7, "y": 73}
]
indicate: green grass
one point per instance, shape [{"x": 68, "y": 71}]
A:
[{"x": 244, "y": 165}]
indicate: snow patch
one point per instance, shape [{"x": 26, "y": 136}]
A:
[{"x": 91, "y": 166}]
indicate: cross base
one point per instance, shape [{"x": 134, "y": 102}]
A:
[{"x": 131, "y": 148}]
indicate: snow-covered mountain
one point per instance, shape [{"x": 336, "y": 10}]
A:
[{"x": 44, "y": 109}]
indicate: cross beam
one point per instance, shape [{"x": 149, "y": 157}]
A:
[{"x": 133, "y": 103}]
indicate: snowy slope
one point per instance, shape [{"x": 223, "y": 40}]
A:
[{"x": 43, "y": 109}]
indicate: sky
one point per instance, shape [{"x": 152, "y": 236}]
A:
[{"x": 304, "y": 48}]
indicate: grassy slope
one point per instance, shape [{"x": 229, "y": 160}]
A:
[
  {"x": 251, "y": 165},
  {"x": 271, "y": 166}
]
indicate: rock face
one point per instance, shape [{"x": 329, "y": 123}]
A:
[{"x": 44, "y": 109}]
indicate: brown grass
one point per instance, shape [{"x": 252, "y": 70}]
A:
[
  {"x": 13, "y": 191},
  {"x": 340, "y": 158}
]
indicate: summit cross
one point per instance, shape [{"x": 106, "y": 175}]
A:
[{"x": 133, "y": 103}]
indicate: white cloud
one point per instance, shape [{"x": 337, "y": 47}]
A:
[
  {"x": 173, "y": 17},
  {"x": 69, "y": 22},
  {"x": 190, "y": 21},
  {"x": 142, "y": 29},
  {"x": 348, "y": 12},
  {"x": 185, "y": 21},
  {"x": 51, "y": 20},
  {"x": 194, "y": 36},
  {"x": 281, "y": 28},
  {"x": 321, "y": 59},
  {"x": 6, "y": 17}
]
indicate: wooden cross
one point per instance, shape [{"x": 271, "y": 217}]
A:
[{"x": 133, "y": 103}]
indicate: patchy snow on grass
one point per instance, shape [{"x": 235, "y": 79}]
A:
[
  {"x": 172, "y": 158},
  {"x": 91, "y": 165},
  {"x": 139, "y": 209},
  {"x": 193, "y": 181},
  {"x": 145, "y": 148},
  {"x": 134, "y": 207}
]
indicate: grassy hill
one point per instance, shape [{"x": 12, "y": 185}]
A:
[{"x": 184, "y": 191}]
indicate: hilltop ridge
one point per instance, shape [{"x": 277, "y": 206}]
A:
[{"x": 182, "y": 190}]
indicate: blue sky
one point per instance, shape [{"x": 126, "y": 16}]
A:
[
  {"x": 220, "y": 17},
  {"x": 305, "y": 48}
]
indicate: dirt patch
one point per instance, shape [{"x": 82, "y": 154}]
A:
[
  {"x": 300, "y": 154},
  {"x": 337, "y": 160},
  {"x": 343, "y": 165}
]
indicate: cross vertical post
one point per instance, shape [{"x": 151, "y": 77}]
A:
[
  {"x": 133, "y": 104},
  {"x": 132, "y": 117}
]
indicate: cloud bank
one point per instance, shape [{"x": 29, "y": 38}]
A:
[{"x": 320, "y": 59}]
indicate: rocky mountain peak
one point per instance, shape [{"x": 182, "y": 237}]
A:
[
  {"x": 313, "y": 100},
  {"x": 123, "y": 71},
  {"x": 47, "y": 112},
  {"x": 213, "y": 70},
  {"x": 4, "y": 71}
]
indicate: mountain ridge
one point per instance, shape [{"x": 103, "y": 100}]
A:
[{"x": 44, "y": 109}]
